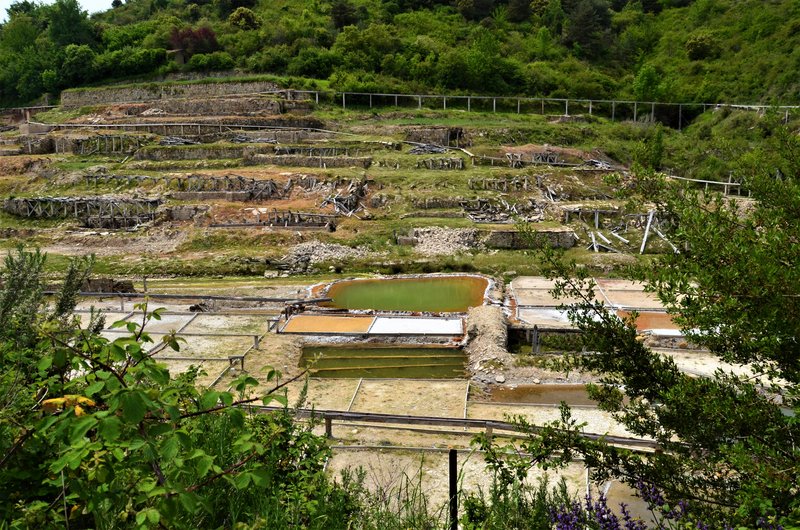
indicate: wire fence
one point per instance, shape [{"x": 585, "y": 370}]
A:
[{"x": 675, "y": 115}]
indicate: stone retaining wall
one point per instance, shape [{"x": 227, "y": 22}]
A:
[
  {"x": 160, "y": 91},
  {"x": 310, "y": 161},
  {"x": 513, "y": 239},
  {"x": 211, "y": 195},
  {"x": 220, "y": 106},
  {"x": 199, "y": 152}
]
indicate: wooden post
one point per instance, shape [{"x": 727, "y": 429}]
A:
[
  {"x": 652, "y": 112},
  {"x": 680, "y": 117},
  {"x": 590, "y": 107},
  {"x": 469, "y": 104},
  {"x": 370, "y": 101},
  {"x": 517, "y": 105},
  {"x": 566, "y": 107},
  {"x": 444, "y": 102},
  {"x": 494, "y": 104},
  {"x": 419, "y": 102},
  {"x": 256, "y": 342},
  {"x": 453, "y": 460},
  {"x": 328, "y": 427},
  {"x": 613, "y": 109},
  {"x": 635, "y": 105},
  {"x": 646, "y": 231},
  {"x": 344, "y": 103}
]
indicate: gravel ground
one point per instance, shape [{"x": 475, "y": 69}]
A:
[
  {"x": 438, "y": 241},
  {"x": 301, "y": 257},
  {"x": 486, "y": 350}
]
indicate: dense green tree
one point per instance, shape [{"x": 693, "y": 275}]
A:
[
  {"x": 344, "y": 13},
  {"x": 587, "y": 26},
  {"x": 519, "y": 10},
  {"x": 475, "y": 9},
  {"x": 647, "y": 84},
  {"x": 19, "y": 33},
  {"x": 78, "y": 66},
  {"x": 68, "y": 24}
]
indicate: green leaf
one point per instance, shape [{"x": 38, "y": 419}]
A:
[
  {"x": 94, "y": 388},
  {"x": 169, "y": 449},
  {"x": 209, "y": 399},
  {"x": 109, "y": 428},
  {"x": 133, "y": 406},
  {"x": 203, "y": 465},
  {"x": 242, "y": 481},
  {"x": 261, "y": 477},
  {"x": 236, "y": 416},
  {"x": 80, "y": 427},
  {"x": 188, "y": 501},
  {"x": 185, "y": 439},
  {"x": 282, "y": 399},
  {"x": 146, "y": 485},
  {"x": 159, "y": 429},
  {"x": 44, "y": 363}
]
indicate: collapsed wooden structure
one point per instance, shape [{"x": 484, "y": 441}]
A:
[{"x": 94, "y": 212}]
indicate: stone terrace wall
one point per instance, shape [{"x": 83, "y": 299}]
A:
[
  {"x": 155, "y": 92},
  {"x": 512, "y": 239},
  {"x": 200, "y": 152},
  {"x": 221, "y": 106}
]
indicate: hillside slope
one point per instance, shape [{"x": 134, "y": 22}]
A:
[{"x": 676, "y": 50}]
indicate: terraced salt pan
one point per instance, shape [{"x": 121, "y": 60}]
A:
[
  {"x": 369, "y": 325},
  {"x": 328, "y": 324},
  {"x": 597, "y": 421},
  {"x": 211, "y": 369},
  {"x": 211, "y": 347},
  {"x": 551, "y": 318},
  {"x": 168, "y": 322},
  {"x": 625, "y": 294},
  {"x": 411, "y": 397},
  {"x": 324, "y": 394},
  {"x": 227, "y": 324},
  {"x": 416, "y": 326}
]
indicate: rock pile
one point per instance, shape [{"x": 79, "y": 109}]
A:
[
  {"x": 303, "y": 256},
  {"x": 486, "y": 350},
  {"x": 437, "y": 241}
]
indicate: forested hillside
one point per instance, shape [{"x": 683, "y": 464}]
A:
[{"x": 669, "y": 50}]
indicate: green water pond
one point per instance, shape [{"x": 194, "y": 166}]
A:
[
  {"x": 384, "y": 362},
  {"x": 436, "y": 294}
]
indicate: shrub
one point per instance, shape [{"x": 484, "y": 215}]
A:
[
  {"x": 702, "y": 45},
  {"x": 244, "y": 18},
  {"x": 202, "y": 62}
]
